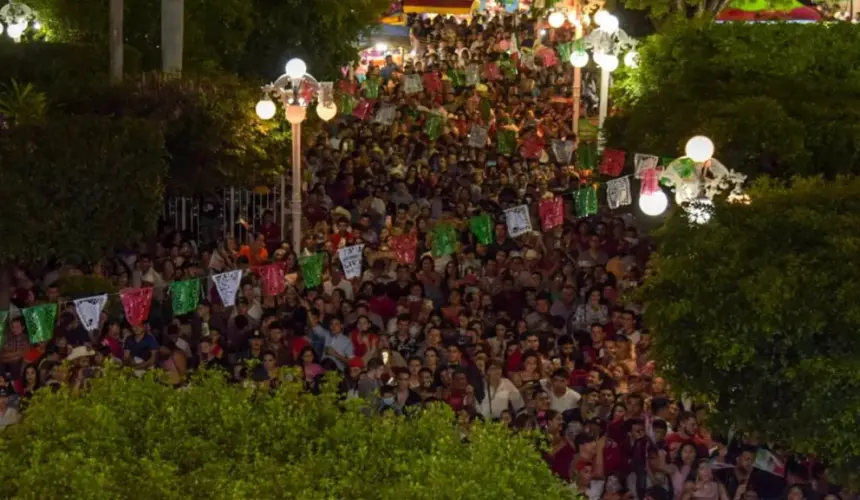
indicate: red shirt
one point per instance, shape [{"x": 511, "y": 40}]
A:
[
  {"x": 359, "y": 349},
  {"x": 297, "y": 344}
]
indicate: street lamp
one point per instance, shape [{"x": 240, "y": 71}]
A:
[
  {"x": 607, "y": 42},
  {"x": 296, "y": 89},
  {"x": 697, "y": 177}
]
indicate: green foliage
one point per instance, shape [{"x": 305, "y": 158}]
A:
[
  {"x": 779, "y": 99},
  {"x": 22, "y": 104},
  {"x": 78, "y": 287},
  {"x": 60, "y": 68},
  {"x": 322, "y": 32},
  {"x": 667, "y": 13},
  {"x": 138, "y": 439},
  {"x": 252, "y": 37},
  {"x": 756, "y": 312},
  {"x": 212, "y": 134},
  {"x": 77, "y": 186}
]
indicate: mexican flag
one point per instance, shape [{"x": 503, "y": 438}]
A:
[{"x": 768, "y": 462}]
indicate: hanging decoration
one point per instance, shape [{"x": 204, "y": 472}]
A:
[
  {"x": 518, "y": 220},
  {"x": 405, "y": 247},
  {"x": 89, "y": 311},
  {"x": 612, "y": 162},
  {"x": 492, "y": 72},
  {"x": 364, "y": 110},
  {"x": 532, "y": 147},
  {"x": 478, "y": 136},
  {"x": 385, "y": 114},
  {"x": 412, "y": 84},
  {"x": 272, "y": 276},
  {"x": 326, "y": 93},
  {"x": 551, "y": 212},
  {"x": 227, "y": 285},
  {"x": 136, "y": 303},
  {"x": 482, "y": 227},
  {"x": 563, "y": 151},
  {"x": 506, "y": 140},
  {"x": 444, "y": 240},
  {"x": 473, "y": 75},
  {"x": 432, "y": 82},
  {"x": 642, "y": 162},
  {"x": 433, "y": 125},
  {"x": 350, "y": 260},
  {"x": 312, "y": 269},
  {"x": 457, "y": 78},
  {"x": 40, "y": 322},
  {"x": 618, "y": 193},
  {"x": 4, "y": 315},
  {"x": 586, "y": 201},
  {"x": 184, "y": 295}
]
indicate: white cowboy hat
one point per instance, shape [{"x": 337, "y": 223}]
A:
[{"x": 79, "y": 352}]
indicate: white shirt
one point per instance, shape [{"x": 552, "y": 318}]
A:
[
  {"x": 567, "y": 401},
  {"x": 10, "y": 417},
  {"x": 495, "y": 401},
  {"x": 344, "y": 285}
]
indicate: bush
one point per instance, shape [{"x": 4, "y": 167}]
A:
[
  {"x": 136, "y": 438},
  {"x": 77, "y": 186},
  {"x": 78, "y": 287},
  {"x": 780, "y": 99},
  {"x": 756, "y": 313},
  {"x": 60, "y": 68}
]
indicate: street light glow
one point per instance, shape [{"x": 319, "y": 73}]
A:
[{"x": 296, "y": 68}]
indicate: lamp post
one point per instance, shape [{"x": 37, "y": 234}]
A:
[
  {"x": 576, "y": 14},
  {"x": 697, "y": 177},
  {"x": 296, "y": 89},
  {"x": 607, "y": 42}
]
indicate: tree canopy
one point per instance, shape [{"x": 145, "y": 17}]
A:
[
  {"x": 777, "y": 99},
  {"x": 253, "y": 38},
  {"x": 77, "y": 186},
  {"x": 756, "y": 313},
  {"x": 134, "y": 438}
]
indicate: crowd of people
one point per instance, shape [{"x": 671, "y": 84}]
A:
[{"x": 538, "y": 332}]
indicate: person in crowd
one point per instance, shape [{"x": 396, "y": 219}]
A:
[{"x": 448, "y": 304}]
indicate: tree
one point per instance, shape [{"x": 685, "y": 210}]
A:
[
  {"x": 756, "y": 313},
  {"x": 777, "y": 99},
  {"x": 137, "y": 439},
  {"x": 254, "y": 38},
  {"x": 75, "y": 187},
  {"x": 212, "y": 134},
  {"x": 664, "y": 13}
]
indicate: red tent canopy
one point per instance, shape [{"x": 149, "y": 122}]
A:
[
  {"x": 796, "y": 14},
  {"x": 456, "y": 7}
]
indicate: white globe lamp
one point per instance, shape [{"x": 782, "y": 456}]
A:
[
  {"x": 15, "y": 30},
  {"x": 579, "y": 58},
  {"x": 699, "y": 149},
  {"x": 653, "y": 204},
  {"x": 296, "y": 114},
  {"x": 266, "y": 109},
  {"x": 609, "y": 62},
  {"x": 556, "y": 19},
  {"x": 631, "y": 59},
  {"x": 600, "y": 17},
  {"x": 610, "y": 24},
  {"x": 296, "y": 68},
  {"x": 326, "y": 113},
  {"x": 571, "y": 18}
]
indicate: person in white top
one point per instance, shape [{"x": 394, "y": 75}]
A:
[
  {"x": 561, "y": 396},
  {"x": 337, "y": 280},
  {"x": 500, "y": 394},
  {"x": 8, "y": 416}
]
